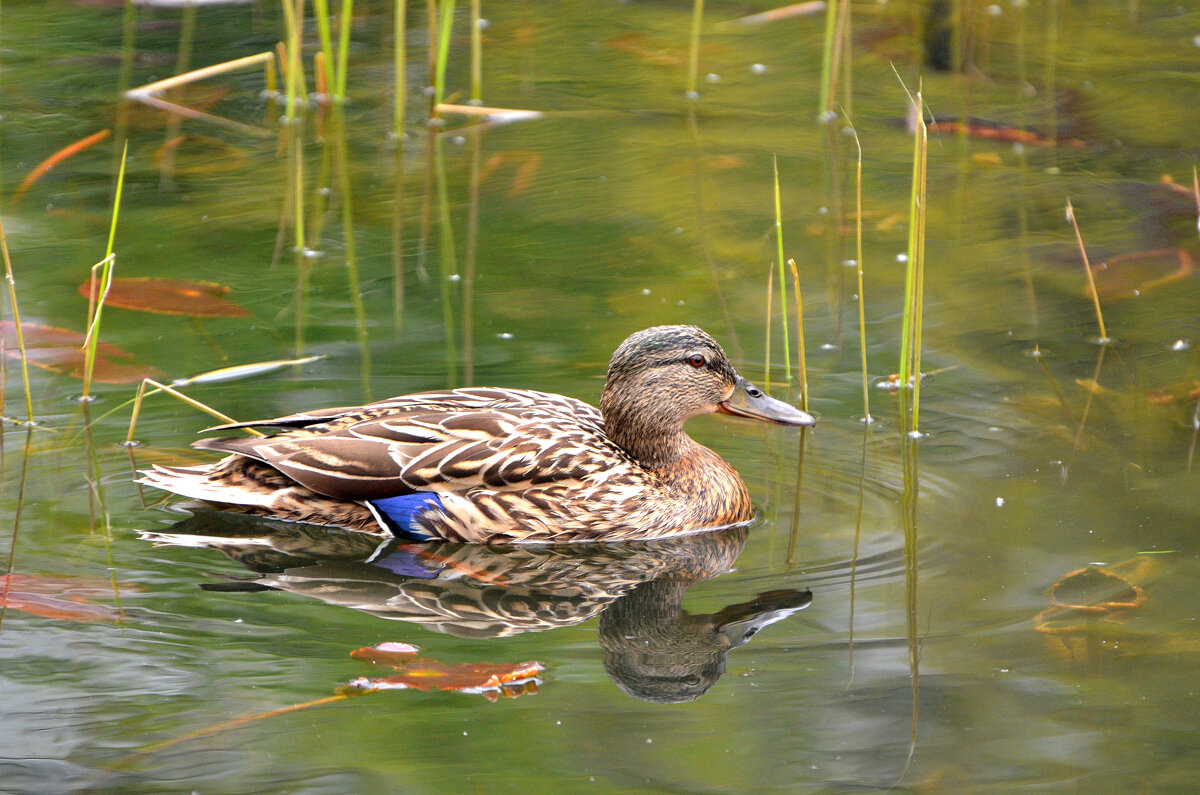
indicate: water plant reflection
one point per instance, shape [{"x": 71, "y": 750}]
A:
[{"x": 653, "y": 649}]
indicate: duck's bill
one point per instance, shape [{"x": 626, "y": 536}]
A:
[{"x": 752, "y": 403}]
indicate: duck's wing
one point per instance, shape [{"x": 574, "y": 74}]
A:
[
  {"x": 448, "y": 400},
  {"x": 430, "y": 448}
]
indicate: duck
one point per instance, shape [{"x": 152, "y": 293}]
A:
[{"x": 493, "y": 465}]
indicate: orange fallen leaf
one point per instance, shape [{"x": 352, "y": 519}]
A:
[
  {"x": 56, "y": 158},
  {"x": 489, "y": 679},
  {"x": 170, "y": 297},
  {"x": 61, "y": 351},
  {"x": 62, "y": 598}
]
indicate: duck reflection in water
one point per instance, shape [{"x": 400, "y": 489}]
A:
[{"x": 654, "y": 650}]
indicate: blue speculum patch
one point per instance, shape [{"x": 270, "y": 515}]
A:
[{"x": 401, "y": 513}]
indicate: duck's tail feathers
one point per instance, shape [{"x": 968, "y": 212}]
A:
[{"x": 197, "y": 482}]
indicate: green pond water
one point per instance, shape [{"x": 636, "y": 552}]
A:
[{"x": 888, "y": 621}]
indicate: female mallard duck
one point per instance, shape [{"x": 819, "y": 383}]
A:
[{"x": 505, "y": 465}]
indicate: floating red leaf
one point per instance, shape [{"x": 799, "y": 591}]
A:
[
  {"x": 62, "y": 598},
  {"x": 169, "y": 297},
  {"x": 488, "y": 679},
  {"x": 61, "y": 350}
]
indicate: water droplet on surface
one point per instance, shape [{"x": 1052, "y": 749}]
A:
[{"x": 758, "y": 68}]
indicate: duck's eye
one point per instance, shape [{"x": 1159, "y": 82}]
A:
[
  {"x": 697, "y": 360},
  {"x": 753, "y": 391}
]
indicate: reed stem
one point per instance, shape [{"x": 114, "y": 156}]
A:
[
  {"x": 694, "y": 48},
  {"x": 101, "y": 291},
  {"x": 787, "y": 355},
  {"x": 1087, "y": 266},
  {"x": 20, "y": 334}
]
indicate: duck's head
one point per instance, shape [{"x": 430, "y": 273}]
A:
[{"x": 661, "y": 376}]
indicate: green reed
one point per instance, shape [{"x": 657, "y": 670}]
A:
[
  {"x": 858, "y": 261},
  {"x": 399, "y": 70},
  {"x": 343, "y": 53},
  {"x": 914, "y": 279},
  {"x": 801, "y": 359},
  {"x": 767, "y": 354},
  {"x": 787, "y": 356},
  {"x": 16, "y": 313},
  {"x": 99, "y": 291},
  {"x": 443, "y": 50},
  {"x": 835, "y": 59},
  {"x": 327, "y": 64}
]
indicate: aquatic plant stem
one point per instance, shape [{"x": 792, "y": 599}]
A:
[
  {"x": 858, "y": 261},
  {"x": 825, "y": 103},
  {"x": 449, "y": 262},
  {"x": 101, "y": 291},
  {"x": 1087, "y": 266},
  {"x": 694, "y": 48},
  {"x": 399, "y": 68},
  {"x": 787, "y": 356},
  {"x": 801, "y": 359},
  {"x": 476, "y": 53},
  {"x": 767, "y": 354},
  {"x": 910, "y": 340},
  {"x": 326, "y": 66},
  {"x": 343, "y": 53},
  {"x": 443, "y": 50},
  {"x": 196, "y": 404},
  {"x": 16, "y": 313}
]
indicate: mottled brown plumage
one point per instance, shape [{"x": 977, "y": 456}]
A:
[{"x": 506, "y": 465}]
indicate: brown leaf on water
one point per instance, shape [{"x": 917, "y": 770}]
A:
[
  {"x": 1131, "y": 275},
  {"x": 61, "y": 351},
  {"x": 489, "y": 679},
  {"x": 637, "y": 45},
  {"x": 62, "y": 598},
  {"x": 170, "y": 297}
]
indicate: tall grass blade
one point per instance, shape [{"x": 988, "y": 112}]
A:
[
  {"x": 443, "y": 50},
  {"x": 324, "y": 68},
  {"x": 910, "y": 341},
  {"x": 1087, "y": 266},
  {"x": 343, "y": 53},
  {"x": 801, "y": 359},
  {"x": 399, "y": 70},
  {"x": 449, "y": 262},
  {"x": 787, "y": 355},
  {"x": 767, "y": 354},
  {"x": 93, "y": 332},
  {"x": 858, "y": 261},
  {"x": 12, "y": 300},
  {"x": 825, "y": 103},
  {"x": 142, "y": 394}
]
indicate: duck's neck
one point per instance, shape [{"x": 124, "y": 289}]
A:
[{"x": 648, "y": 433}]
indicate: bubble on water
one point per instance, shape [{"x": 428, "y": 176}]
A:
[
  {"x": 758, "y": 68},
  {"x": 1180, "y": 345}
]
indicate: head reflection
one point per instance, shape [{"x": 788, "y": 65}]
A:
[{"x": 654, "y": 650}]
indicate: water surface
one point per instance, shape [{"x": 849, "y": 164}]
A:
[{"x": 883, "y": 623}]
